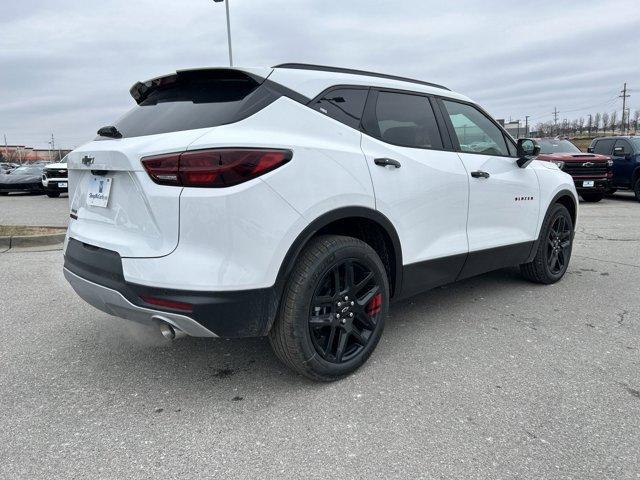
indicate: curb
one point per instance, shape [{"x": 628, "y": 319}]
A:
[{"x": 31, "y": 240}]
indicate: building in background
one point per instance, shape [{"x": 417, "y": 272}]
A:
[
  {"x": 24, "y": 154},
  {"x": 515, "y": 129}
]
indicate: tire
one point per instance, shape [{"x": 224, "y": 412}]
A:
[
  {"x": 636, "y": 189},
  {"x": 4, "y": 194},
  {"x": 592, "y": 197},
  {"x": 556, "y": 240},
  {"x": 312, "y": 328},
  {"x": 53, "y": 194}
]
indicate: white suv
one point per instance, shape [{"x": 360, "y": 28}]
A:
[{"x": 297, "y": 201}]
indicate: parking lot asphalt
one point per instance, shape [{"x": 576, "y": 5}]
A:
[
  {"x": 40, "y": 210},
  {"x": 492, "y": 377}
]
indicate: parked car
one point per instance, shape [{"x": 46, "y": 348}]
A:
[
  {"x": 298, "y": 201},
  {"x": 591, "y": 173},
  {"x": 6, "y": 167},
  {"x": 625, "y": 153},
  {"x": 26, "y": 178},
  {"x": 54, "y": 178}
]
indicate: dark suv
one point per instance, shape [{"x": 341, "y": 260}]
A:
[{"x": 625, "y": 153}]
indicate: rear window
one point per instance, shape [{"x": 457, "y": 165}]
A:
[{"x": 190, "y": 100}]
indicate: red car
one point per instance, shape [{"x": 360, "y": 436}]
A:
[{"x": 591, "y": 173}]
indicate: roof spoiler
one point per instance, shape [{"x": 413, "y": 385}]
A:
[{"x": 140, "y": 91}]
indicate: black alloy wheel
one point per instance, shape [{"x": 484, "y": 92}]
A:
[
  {"x": 333, "y": 308},
  {"x": 344, "y": 311},
  {"x": 558, "y": 245},
  {"x": 553, "y": 249}
]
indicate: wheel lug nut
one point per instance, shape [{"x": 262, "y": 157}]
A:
[
  {"x": 346, "y": 298},
  {"x": 339, "y": 304},
  {"x": 351, "y": 314},
  {"x": 343, "y": 321},
  {"x": 337, "y": 315},
  {"x": 352, "y": 303}
]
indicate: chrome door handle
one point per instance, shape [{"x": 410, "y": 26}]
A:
[
  {"x": 384, "y": 162},
  {"x": 480, "y": 174}
]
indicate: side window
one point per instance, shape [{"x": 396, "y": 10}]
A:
[
  {"x": 406, "y": 120},
  {"x": 344, "y": 105},
  {"x": 475, "y": 132},
  {"x": 626, "y": 148},
  {"x": 604, "y": 147}
]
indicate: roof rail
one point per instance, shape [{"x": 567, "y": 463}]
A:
[{"x": 324, "y": 68}]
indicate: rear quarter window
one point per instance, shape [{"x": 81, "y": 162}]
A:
[{"x": 343, "y": 104}]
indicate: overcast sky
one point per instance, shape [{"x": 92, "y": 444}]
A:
[{"x": 66, "y": 65}]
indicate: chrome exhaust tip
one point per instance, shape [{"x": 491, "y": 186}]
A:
[{"x": 170, "y": 332}]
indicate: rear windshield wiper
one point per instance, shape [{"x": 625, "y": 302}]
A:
[{"x": 109, "y": 131}]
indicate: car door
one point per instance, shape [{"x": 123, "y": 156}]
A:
[
  {"x": 623, "y": 162},
  {"x": 503, "y": 198},
  {"x": 420, "y": 184}
]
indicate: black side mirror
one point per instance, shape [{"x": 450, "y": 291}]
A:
[
  {"x": 589, "y": 149},
  {"x": 526, "y": 150},
  {"x": 619, "y": 152}
]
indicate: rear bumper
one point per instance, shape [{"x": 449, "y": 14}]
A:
[
  {"x": 96, "y": 276},
  {"x": 114, "y": 303}
]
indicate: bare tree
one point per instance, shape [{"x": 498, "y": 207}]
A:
[
  {"x": 636, "y": 120},
  {"x": 613, "y": 121},
  {"x": 605, "y": 122},
  {"x": 596, "y": 121},
  {"x": 574, "y": 126}
]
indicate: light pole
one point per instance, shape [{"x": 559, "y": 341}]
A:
[{"x": 228, "y": 30}]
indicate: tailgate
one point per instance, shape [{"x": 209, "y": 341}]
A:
[{"x": 141, "y": 218}]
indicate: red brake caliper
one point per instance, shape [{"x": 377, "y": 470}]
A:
[{"x": 375, "y": 305}]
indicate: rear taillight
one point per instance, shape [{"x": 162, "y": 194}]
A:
[{"x": 216, "y": 168}]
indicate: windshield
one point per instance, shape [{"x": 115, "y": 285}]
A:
[
  {"x": 557, "y": 146},
  {"x": 27, "y": 171},
  {"x": 636, "y": 143}
]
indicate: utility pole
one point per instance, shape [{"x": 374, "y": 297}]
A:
[
  {"x": 226, "y": 3},
  {"x": 52, "y": 149},
  {"x": 590, "y": 124},
  {"x": 624, "y": 97},
  {"x": 526, "y": 125},
  {"x": 555, "y": 119},
  {"x": 6, "y": 147}
]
